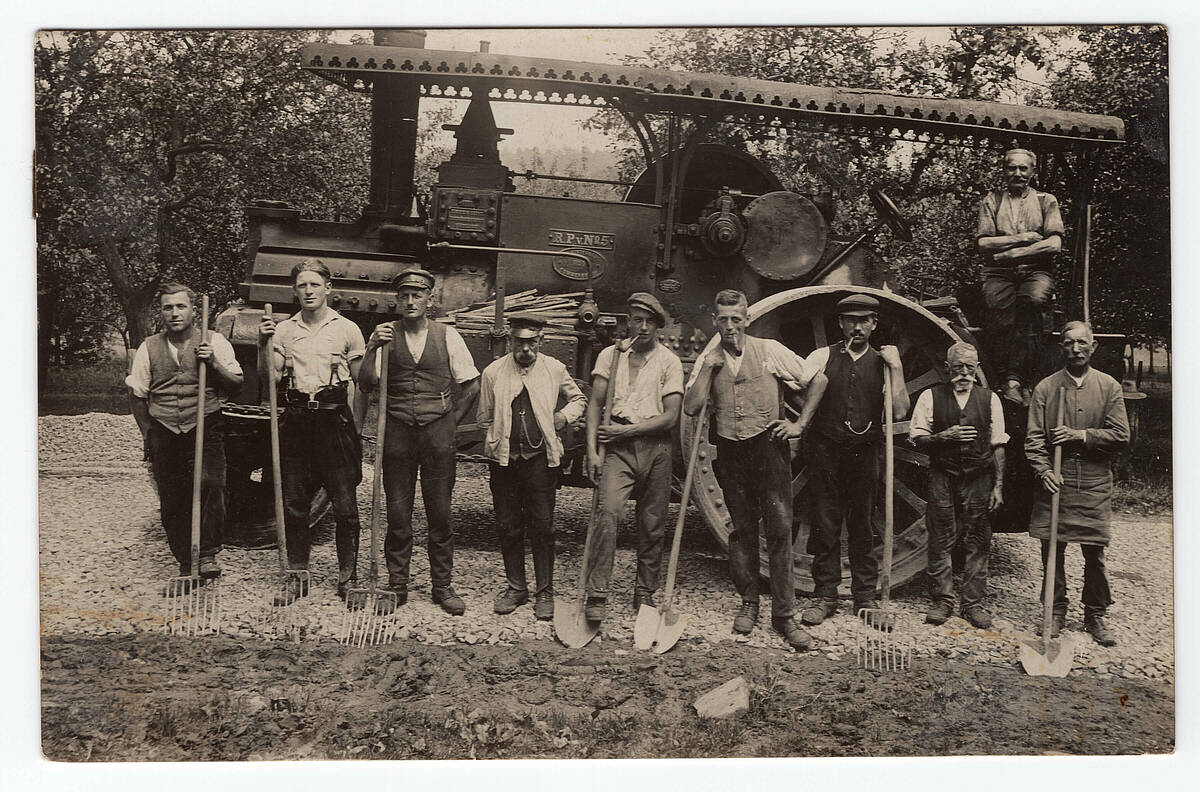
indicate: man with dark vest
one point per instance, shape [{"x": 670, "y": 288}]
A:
[
  {"x": 961, "y": 428},
  {"x": 317, "y": 352},
  {"x": 1093, "y": 429},
  {"x": 164, "y": 387},
  {"x": 519, "y": 413},
  {"x": 647, "y": 393},
  {"x": 1019, "y": 232},
  {"x": 745, "y": 377},
  {"x": 845, "y": 447},
  {"x": 426, "y": 360}
]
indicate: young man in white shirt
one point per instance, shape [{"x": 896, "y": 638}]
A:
[
  {"x": 647, "y": 394},
  {"x": 164, "y": 396}
]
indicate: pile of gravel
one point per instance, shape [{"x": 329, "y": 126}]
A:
[{"x": 104, "y": 560}]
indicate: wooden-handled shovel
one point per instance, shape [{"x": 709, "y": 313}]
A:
[
  {"x": 570, "y": 623},
  {"x": 658, "y": 629},
  {"x": 192, "y": 608},
  {"x": 1047, "y": 657}
]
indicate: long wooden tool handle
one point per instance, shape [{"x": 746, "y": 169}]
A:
[
  {"x": 377, "y": 484},
  {"x": 1052, "y": 555},
  {"x": 889, "y": 496},
  {"x": 276, "y": 475},
  {"x": 600, "y": 452},
  {"x": 198, "y": 456},
  {"x": 673, "y": 563}
]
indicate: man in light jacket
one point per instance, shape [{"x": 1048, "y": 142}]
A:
[{"x": 519, "y": 398}]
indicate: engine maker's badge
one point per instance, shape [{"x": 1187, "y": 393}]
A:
[
  {"x": 669, "y": 285},
  {"x": 572, "y": 268}
]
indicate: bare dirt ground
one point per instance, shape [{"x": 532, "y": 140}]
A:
[{"x": 115, "y": 688}]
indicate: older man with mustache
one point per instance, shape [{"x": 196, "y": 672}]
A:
[
  {"x": 1020, "y": 229},
  {"x": 961, "y": 427}
]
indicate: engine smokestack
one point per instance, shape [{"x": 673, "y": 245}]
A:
[{"x": 394, "y": 113}]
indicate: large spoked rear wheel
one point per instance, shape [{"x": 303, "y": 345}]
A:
[{"x": 804, "y": 319}]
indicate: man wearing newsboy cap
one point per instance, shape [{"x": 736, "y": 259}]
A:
[
  {"x": 525, "y": 400},
  {"x": 647, "y": 393}
]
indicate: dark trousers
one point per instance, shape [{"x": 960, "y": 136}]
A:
[
  {"x": 842, "y": 488},
  {"x": 957, "y": 514},
  {"x": 171, "y": 460},
  {"x": 1014, "y": 297},
  {"x": 639, "y": 467},
  {"x": 426, "y": 450},
  {"x": 523, "y": 499},
  {"x": 756, "y": 478},
  {"x": 1096, "y": 594},
  {"x": 321, "y": 448}
]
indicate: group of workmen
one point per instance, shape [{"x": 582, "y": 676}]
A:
[{"x": 525, "y": 399}]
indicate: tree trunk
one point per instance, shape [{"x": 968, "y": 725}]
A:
[{"x": 135, "y": 300}]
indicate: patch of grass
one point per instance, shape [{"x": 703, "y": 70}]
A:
[{"x": 106, "y": 376}]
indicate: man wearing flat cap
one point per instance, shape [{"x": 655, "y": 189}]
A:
[
  {"x": 746, "y": 377},
  {"x": 525, "y": 400},
  {"x": 647, "y": 394},
  {"x": 845, "y": 443},
  {"x": 427, "y": 359}
]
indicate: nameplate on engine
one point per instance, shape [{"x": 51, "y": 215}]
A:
[{"x": 589, "y": 239}]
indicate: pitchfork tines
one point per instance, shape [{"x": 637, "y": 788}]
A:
[
  {"x": 878, "y": 647},
  {"x": 193, "y": 606},
  {"x": 370, "y": 617}
]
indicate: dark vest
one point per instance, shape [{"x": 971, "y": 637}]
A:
[
  {"x": 962, "y": 458},
  {"x": 744, "y": 405},
  {"x": 419, "y": 393},
  {"x": 525, "y": 439},
  {"x": 852, "y": 408},
  {"x": 175, "y": 387}
]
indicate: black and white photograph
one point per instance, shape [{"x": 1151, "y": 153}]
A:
[{"x": 603, "y": 393}]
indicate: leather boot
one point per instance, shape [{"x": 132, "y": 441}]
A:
[
  {"x": 543, "y": 576},
  {"x": 513, "y": 554},
  {"x": 1094, "y": 624}
]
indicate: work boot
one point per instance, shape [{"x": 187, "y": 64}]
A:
[
  {"x": 1094, "y": 624},
  {"x": 543, "y": 606},
  {"x": 979, "y": 618},
  {"x": 820, "y": 610},
  {"x": 295, "y": 590},
  {"x": 450, "y": 601},
  {"x": 797, "y": 638},
  {"x": 595, "y": 609},
  {"x": 641, "y": 598},
  {"x": 208, "y": 568},
  {"x": 884, "y": 622},
  {"x": 510, "y": 600},
  {"x": 939, "y": 612},
  {"x": 386, "y": 606},
  {"x": 746, "y": 618},
  {"x": 344, "y": 586},
  {"x": 1057, "y": 622}
]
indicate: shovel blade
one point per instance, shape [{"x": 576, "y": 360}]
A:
[
  {"x": 572, "y": 628},
  {"x": 645, "y": 627},
  {"x": 1054, "y": 660},
  {"x": 670, "y": 628}
]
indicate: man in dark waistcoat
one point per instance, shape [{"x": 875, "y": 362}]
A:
[
  {"x": 961, "y": 428},
  {"x": 844, "y": 447},
  {"x": 426, "y": 359},
  {"x": 745, "y": 376},
  {"x": 519, "y": 413},
  {"x": 1093, "y": 429},
  {"x": 164, "y": 388}
]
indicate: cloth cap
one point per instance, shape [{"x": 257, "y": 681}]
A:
[
  {"x": 858, "y": 305},
  {"x": 413, "y": 276},
  {"x": 648, "y": 302},
  {"x": 525, "y": 325}
]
